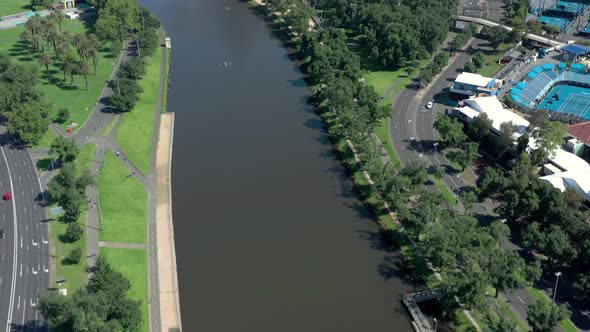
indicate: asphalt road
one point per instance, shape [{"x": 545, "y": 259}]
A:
[{"x": 25, "y": 268}]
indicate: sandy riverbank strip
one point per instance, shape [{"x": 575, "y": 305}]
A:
[{"x": 168, "y": 279}]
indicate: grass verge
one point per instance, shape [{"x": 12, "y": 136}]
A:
[
  {"x": 446, "y": 193},
  {"x": 136, "y": 130},
  {"x": 75, "y": 274},
  {"x": 132, "y": 263},
  {"x": 382, "y": 132},
  {"x": 491, "y": 66},
  {"x": 123, "y": 202}
]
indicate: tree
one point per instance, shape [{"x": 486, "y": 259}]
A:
[
  {"x": 548, "y": 137},
  {"x": 481, "y": 125},
  {"x": 126, "y": 94},
  {"x": 93, "y": 46},
  {"x": 538, "y": 119},
  {"x": 73, "y": 232},
  {"x": 65, "y": 148},
  {"x": 63, "y": 115},
  {"x": 466, "y": 156},
  {"x": 71, "y": 202},
  {"x": 496, "y": 35},
  {"x": 58, "y": 17},
  {"x": 75, "y": 255},
  {"x": 468, "y": 198},
  {"x": 148, "y": 42},
  {"x": 439, "y": 172},
  {"x": 46, "y": 61},
  {"x": 543, "y": 316},
  {"x": 507, "y": 130},
  {"x": 115, "y": 19},
  {"x": 82, "y": 68},
  {"x": 467, "y": 285},
  {"x": 478, "y": 59},
  {"x": 450, "y": 130},
  {"x": 29, "y": 121},
  {"x": 503, "y": 269},
  {"x": 133, "y": 69}
]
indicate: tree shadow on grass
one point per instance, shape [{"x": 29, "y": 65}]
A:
[{"x": 44, "y": 164}]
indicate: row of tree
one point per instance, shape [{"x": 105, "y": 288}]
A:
[
  {"x": 466, "y": 253},
  {"x": 516, "y": 11}
]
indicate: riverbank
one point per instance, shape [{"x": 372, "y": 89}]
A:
[{"x": 168, "y": 280}]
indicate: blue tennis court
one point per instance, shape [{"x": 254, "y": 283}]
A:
[{"x": 570, "y": 99}]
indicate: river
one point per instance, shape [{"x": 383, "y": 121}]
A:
[{"x": 270, "y": 235}]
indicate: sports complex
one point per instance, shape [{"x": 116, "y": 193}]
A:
[{"x": 556, "y": 89}]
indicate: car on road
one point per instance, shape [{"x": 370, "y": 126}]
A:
[
  {"x": 7, "y": 196},
  {"x": 429, "y": 105}
]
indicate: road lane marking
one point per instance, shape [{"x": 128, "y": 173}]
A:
[
  {"x": 21, "y": 270},
  {"x": 21, "y": 241},
  {"x": 33, "y": 304},
  {"x": 520, "y": 299},
  {"x": 33, "y": 270},
  {"x": 44, "y": 241},
  {"x": 18, "y": 306},
  {"x": 34, "y": 243},
  {"x": 46, "y": 270}
]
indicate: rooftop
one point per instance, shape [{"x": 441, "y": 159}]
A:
[
  {"x": 576, "y": 49},
  {"x": 581, "y": 131},
  {"x": 473, "y": 79},
  {"x": 495, "y": 111}
]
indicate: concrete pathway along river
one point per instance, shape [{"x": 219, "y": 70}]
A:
[{"x": 269, "y": 233}]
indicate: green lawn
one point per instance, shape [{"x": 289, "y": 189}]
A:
[
  {"x": 75, "y": 274},
  {"x": 491, "y": 66},
  {"x": 76, "y": 97},
  {"x": 133, "y": 264},
  {"x": 123, "y": 202},
  {"x": 9, "y": 7},
  {"x": 135, "y": 132},
  {"x": 48, "y": 138},
  {"x": 383, "y": 80}
]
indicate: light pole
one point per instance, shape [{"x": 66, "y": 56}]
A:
[
  {"x": 557, "y": 274},
  {"x": 435, "y": 145},
  {"x": 435, "y": 325}
]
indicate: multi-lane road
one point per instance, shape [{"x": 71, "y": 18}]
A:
[{"x": 25, "y": 248}]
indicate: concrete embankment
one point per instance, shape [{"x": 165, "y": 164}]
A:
[{"x": 168, "y": 279}]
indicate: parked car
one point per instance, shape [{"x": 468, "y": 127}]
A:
[
  {"x": 429, "y": 105},
  {"x": 7, "y": 196}
]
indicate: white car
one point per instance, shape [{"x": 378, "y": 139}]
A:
[{"x": 429, "y": 105}]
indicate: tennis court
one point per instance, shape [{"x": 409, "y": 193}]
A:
[{"x": 571, "y": 99}]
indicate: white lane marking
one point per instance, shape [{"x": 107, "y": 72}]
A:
[
  {"x": 32, "y": 193},
  {"x": 46, "y": 270},
  {"x": 33, "y": 270},
  {"x": 21, "y": 270},
  {"x": 19, "y": 179},
  {"x": 21, "y": 241},
  {"x": 520, "y": 299},
  {"x": 34, "y": 243},
  {"x": 27, "y": 228},
  {"x": 32, "y": 303},
  {"x": 35, "y": 207},
  {"x": 0, "y": 281},
  {"x": 18, "y": 305},
  {"x": 24, "y": 311},
  {"x": 44, "y": 241},
  {"x": 25, "y": 210}
]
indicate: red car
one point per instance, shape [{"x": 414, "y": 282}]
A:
[{"x": 6, "y": 196}]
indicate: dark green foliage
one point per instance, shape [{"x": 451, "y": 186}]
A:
[
  {"x": 65, "y": 149},
  {"x": 148, "y": 42},
  {"x": 516, "y": 12},
  {"x": 495, "y": 35},
  {"x": 73, "y": 232},
  {"x": 544, "y": 317},
  {"x": 126, "y": 94},
  {"x": 102, "y": 306},
  {"x": 63, "y": 115},
  {"x": 133, "y": 69},
  {"x": 74, "y": 256},
  {"x": 450, "y": 130}
]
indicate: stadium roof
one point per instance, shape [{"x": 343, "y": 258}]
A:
[
  {"x": 581, "y": 131},
  {"x": 571, "y": 179},
  {"x": 473, "y": 79},
  {"x": 495, "y": 111},
  {"x": 576, "y": 49}
]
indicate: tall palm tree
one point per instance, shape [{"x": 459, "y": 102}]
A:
[
  {"x": 47, "y": 28},
  {"x": 46, "y": 60},
  {"x": 57, "y": 16},
  {"x": 93, "y": 46},
  {"x": 26, "y": 36},
  {"x": 33, "y": 24},
  {"x": 37, "y": 41},
  {"x": 81, "y": 44},
  {"x": 82, "y": 68}
]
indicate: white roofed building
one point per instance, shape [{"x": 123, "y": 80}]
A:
[{"x": 469, "y": 85}]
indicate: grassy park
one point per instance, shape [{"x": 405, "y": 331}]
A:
[
  {"x": 79, "y": 100},
  {"x": 75, "y": 274},
  {"x": 135, "y": 132},
  {"x": 491, "y": 66},
  {"x": 10, "y": 7},
  {"x": 133, "y": 264},
  {"x": 123, "y": 202}
]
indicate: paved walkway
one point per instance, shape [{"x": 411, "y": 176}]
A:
[{"x": 122, "y": 245}]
